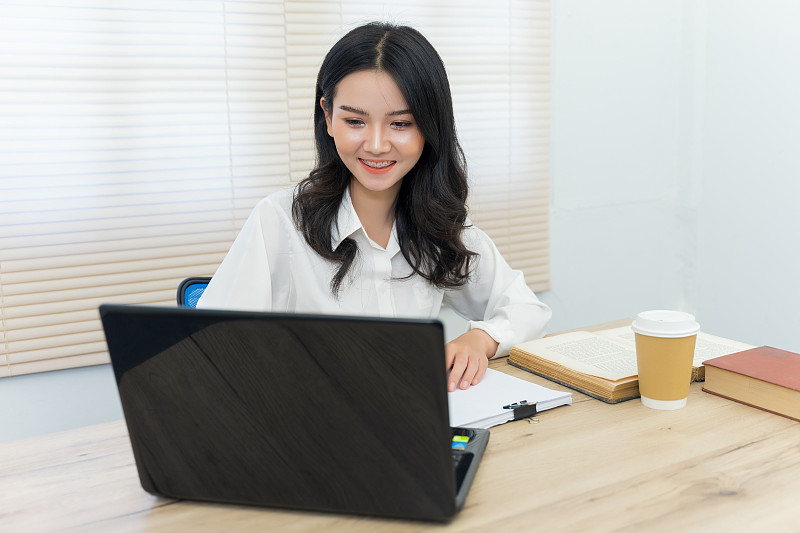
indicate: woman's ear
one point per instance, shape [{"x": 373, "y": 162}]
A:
[{"x": 328, "y": 117}]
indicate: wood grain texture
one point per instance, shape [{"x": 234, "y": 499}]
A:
[{"x": 713, "y": 466}]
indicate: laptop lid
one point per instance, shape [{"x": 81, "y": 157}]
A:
[{"x": 344, "y": 414}]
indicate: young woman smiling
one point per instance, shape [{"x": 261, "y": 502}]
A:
[{"x": 380, "y": 226}]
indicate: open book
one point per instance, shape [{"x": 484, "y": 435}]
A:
[
  {"x": 603, "y": 364},
  {"x": 495, "y": 399}
]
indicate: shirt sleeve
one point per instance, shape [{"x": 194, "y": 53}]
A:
[
  {"x": 496, "y": 299},
  {"x": 243, "y": 280}
]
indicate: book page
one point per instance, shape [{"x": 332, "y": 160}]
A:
[
  {"x": 707, "y": 346},
  {"x": 622, "y": 334},
  {"x": 587, "y": 352}
]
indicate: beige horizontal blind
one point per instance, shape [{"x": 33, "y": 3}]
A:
[
  {"x": 135, "y": 137},
  {"x": 312, "y": 27}
]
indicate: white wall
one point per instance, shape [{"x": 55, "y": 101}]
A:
[
  {"x": 749, "y": 221},
  {"x": 618, "y": 121},
  {"x": 676, "y": 164},
  {"x": 54, "y": 401},
  {"x": 676, "y": 182},
  {"x": 616, "y": 155}
]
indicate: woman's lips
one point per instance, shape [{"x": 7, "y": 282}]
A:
[{"x": 377, "y": 167}]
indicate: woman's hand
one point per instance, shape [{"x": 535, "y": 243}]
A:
[{"x": 467, "y": 358}]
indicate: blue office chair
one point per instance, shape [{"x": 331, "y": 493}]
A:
[{"x": 190, "y": 290}]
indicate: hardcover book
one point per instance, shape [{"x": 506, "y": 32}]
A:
[{"x": 766, "y": 378}]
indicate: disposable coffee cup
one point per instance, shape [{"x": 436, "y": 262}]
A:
[{"x": 665, "y": 342}]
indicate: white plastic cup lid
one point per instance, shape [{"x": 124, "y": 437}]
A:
[{"x": 671, "y": 324}]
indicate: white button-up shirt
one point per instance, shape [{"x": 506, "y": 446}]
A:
[{"x": 270, "y": 267}]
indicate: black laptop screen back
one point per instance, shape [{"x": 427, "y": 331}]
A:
[{"x": 333, "y": 414}]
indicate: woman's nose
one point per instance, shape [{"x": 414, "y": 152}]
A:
[{"x": 378, "y": 141}]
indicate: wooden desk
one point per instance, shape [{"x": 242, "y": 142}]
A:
[{"x": 712, "y": 466}]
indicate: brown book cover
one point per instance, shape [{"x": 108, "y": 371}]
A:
[
  {"x": 763, "y": 377},
  {"x": 765, "y": 363}
]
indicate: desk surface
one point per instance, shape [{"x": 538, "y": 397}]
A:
[{"x": 713, "y": 466}]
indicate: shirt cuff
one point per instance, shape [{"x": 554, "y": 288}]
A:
[{"x": 502, "y": 350}]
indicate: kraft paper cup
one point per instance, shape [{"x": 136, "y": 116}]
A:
[{"x": 665, "y": 343}]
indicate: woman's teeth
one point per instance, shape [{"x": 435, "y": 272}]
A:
[{"x": 377, "y": 164}]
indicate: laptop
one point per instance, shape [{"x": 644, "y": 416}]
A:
[{"x": 313, "y": 412}]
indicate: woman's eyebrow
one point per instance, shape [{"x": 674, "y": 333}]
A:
[
  {"x": 355, "y": 110},
  {"x": 359, "y": 111}
]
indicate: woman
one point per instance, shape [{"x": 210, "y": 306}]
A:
[{"x": 380, "y": 225}]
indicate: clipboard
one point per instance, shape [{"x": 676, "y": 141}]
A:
[{"x": 501, "y": 398}]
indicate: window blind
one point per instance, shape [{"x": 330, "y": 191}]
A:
[{"x": 135, "y": 138}]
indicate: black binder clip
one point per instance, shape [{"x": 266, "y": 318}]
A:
[{"x": 522, "y": 409}]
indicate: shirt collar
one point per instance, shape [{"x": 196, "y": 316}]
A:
[{"x": 347, "y": 223}]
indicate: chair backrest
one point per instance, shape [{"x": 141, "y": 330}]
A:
[{"x": 190, "y": 290}]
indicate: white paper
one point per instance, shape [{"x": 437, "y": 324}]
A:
[{"x": 482, "y": 405}]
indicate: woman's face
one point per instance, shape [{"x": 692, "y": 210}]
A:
[{"x": 375, "y": 134}]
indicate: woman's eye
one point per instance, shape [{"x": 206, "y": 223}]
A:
[
  {"x": 354, "y": 122},
  {"x": 401, "y": 124}
]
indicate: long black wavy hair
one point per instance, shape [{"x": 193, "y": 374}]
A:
[{"x": 431, "y": 211}]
